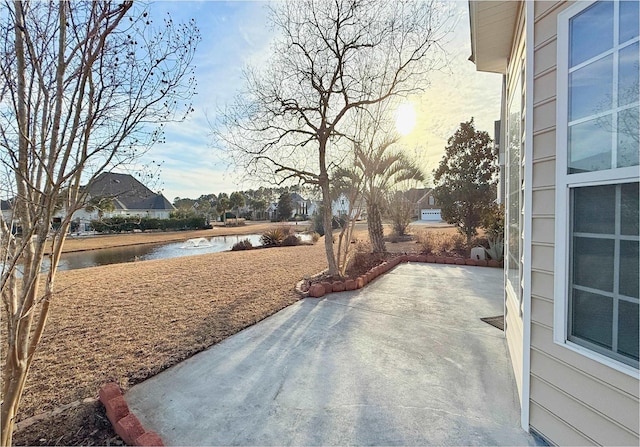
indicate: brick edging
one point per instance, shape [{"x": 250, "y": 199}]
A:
[
  {"x": 320, "y": 289},
  {"x": 125, "y": 423}
]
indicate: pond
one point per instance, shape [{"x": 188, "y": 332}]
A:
[{"x": 118, "y": 255}]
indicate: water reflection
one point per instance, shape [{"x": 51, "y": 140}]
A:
[{"x": 118, "y": 255}]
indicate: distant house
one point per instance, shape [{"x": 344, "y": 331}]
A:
[
  {"x": 342, "y": 205},
  {"x": 7, "y": 212},
  {"x": 424, "y": 202},
  {"x": 313, "y": 207},
  {"x": 272, "y": 211},
  {"x": 569, "y": 139},
  {"x": 128, "y": 196},
  {"x": 299, "y": 205}
]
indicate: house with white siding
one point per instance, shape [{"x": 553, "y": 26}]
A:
[
  {"x": 569, "y": 133},
  {"x": 128, "y": 197}
]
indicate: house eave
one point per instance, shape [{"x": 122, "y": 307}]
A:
[{"x": 492, "y": 25}]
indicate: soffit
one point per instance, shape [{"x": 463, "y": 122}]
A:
[{"x": 492, "y": 26}]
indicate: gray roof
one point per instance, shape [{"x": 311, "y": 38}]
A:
[
  {"x": 127, "y": 192},
  {"x": 295, "y": 197}
]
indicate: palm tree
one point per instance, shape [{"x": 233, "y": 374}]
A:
[
  {"x": 379, "y": 169},
  {"x": 236, "y": 201},
  {"x": 222, "y": 206}
]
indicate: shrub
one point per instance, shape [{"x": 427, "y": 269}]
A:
[
  {"x": 291, "y": 240},
  {"x": 273, "y": 237},
  {"x": 242, "y": 245},
  {"x": 362, "y": 259},
  {"x": 493, "y": 222},
  {"x": 496, "y": 249},
  {"x": 315, "y": 237},
  {"x": 440, "y": 243},
  {"x": 318, "y": 224},
  {"x": 119, "y": 224}
]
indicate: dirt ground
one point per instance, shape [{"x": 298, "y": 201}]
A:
[{"x": 128, "y": 322}]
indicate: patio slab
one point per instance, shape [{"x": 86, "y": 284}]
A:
[{"x": 404, "y": 361}]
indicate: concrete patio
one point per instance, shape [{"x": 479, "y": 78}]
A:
[{"x": 404, "y": 361}]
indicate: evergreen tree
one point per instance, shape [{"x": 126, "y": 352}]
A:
[
  {"x": 285, "y": 207},
  {"x": 466, "y": 179}
]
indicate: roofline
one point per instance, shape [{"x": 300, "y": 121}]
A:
[{"x": 492, "y": 25}]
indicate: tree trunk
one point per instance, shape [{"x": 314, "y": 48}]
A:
[
  {"x": 15, "y": 377},
  {"x": 328, "y": 229},
  {"x": 374, "y": 225}
]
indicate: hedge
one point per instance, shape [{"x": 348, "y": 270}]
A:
[{"x": 124, "y": 224}]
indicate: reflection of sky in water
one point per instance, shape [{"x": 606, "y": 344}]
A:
[{"x": 118, "y": 255}]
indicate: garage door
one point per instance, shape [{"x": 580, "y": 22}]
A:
[{"x": 430, "y": 215}]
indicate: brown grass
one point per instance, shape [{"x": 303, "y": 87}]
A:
[{"x": 128, "y": 322}]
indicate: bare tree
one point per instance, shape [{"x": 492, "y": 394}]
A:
[
  {"x": 331, "y": 59},
  {"x": 84, "y": 87}
]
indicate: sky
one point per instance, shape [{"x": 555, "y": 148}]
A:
[{"x": 236, "y": 33}]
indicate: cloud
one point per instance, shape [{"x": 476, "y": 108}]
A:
[{"x": 235, "y": 34}]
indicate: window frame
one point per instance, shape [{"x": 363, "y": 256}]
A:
[
  {"x": 565, "y": 182},
  {"x": 516, "y": 92}
]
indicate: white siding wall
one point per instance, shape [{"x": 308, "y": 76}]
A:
[{"x": 574, "y": 400}]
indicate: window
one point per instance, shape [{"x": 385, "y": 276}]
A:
[
  {"x": 597, "y": 237},
  {"x": 514, "y": 187}
]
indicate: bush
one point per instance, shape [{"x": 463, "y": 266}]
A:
[
  {"x": 315, "y": 237},
  {"x": 493, "y": 222},
  {"x": 439, "y": 243},
  {"x": 123, "y": 224},
  {"x": 362, "y": 259},
  {"x": 273, "y": 237},
  {"x": 291, "y": 240},
  {"x": 242, "y": 245},
  {"x": 317, "y": 224}
]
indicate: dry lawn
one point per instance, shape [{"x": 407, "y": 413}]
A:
[{"x": 128, "y": 322}]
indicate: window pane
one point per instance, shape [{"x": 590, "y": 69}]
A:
[
  {"x": 628, "y": 140},
  {"x": 628, "y": 20},
  {"x": 629, "y": 268},
  {"x": 628, "y": 316},
  {"x": 590, "y": 145},
  {"x": 592, "y": 317},
  {"x": 513, "y": 233},
  {"x": 629, "y": 209},
  {"x": 593, "y": 263},
  {"x": 594, "y": 209},
  {"x": 591, "y": 32},
  {"x": 628, "y": 70},
  {"x": 591, "y": 89}
]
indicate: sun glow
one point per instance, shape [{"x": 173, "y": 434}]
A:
[{"x": 405, "y": 118}]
